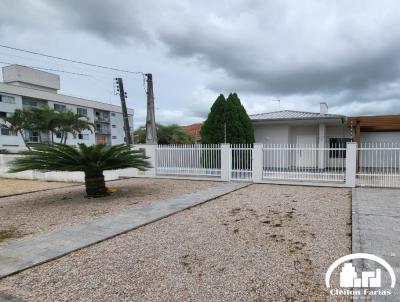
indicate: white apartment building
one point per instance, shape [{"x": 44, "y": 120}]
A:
[{"x": 24, "y": 88}]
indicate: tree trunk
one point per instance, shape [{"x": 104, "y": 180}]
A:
[
  {"x": 23, "y": 138},
  {"x": 95, "y": 185}
]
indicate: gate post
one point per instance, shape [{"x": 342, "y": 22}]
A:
[
  {"x": 257, "y": 162},
  {"x": 225, "y": 162},
  {"x": 351, "y": 164},
  {"x": 149, "y": 151}
]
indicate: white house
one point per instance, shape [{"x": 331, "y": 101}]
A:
[
  {"x": 298, "y": 127},
  {"x": 25, "y": 87},
  {"x": 307, "y": 139}
]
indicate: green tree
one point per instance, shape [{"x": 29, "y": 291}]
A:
[
  {"x": 227, "y": 122},
  {"x": 92, "y": 160},
  {"x": 17, "y": 123},
  {"x": 213, "y": 129},
  {"x": 170, "y": 134},
  {"x": 67, "y": 122}
]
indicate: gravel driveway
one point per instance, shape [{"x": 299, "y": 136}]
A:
[
  {"x": 31, "y": 214},
  {"x": 261, "y": 243},
  {"x": 17, "y": 186}
]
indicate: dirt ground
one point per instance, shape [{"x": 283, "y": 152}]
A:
[
  {"x": 260, "y": 243},
  {"x": 39, "y": 212}
]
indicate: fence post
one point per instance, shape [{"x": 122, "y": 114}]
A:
[
  {"x": 149, "y": 151},
  {"x": 257, "y": 162},
  {"x": 225, "y": 162},
  {"x": 351, "y": 164}
]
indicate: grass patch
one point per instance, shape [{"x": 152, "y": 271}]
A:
[{"x": 6, "y": 234}]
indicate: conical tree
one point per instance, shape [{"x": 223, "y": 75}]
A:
[
  {"x": 213, "y": 129},
  {"x": 239, "y": 128},
  {"x": 92, "y": 160},
  {"x": 227, "y": 122}
]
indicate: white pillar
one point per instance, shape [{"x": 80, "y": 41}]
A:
[
  {"x": 321, "y": 144},
  {"x": 257, "y": 166},
  {"x": 351, "y": 164},
  {"x": 149, "y": 151},
  {"x": 225, "y": 162}
]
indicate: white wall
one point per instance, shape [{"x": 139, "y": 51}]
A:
[
  {"x": 271, "y": 134},
  {"x": 381, "y": 137},
  {"x": 5, "y": 160},
  {"x": 118, "y": 133}
]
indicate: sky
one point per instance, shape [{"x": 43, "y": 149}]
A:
[{"x": 344, "y": 53}]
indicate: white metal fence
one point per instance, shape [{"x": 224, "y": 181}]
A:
[
  {"x": 378, "y": 165},
  {"x": 304, "y": 163},
  {"x": 188, "y": 160},
  {"x": 242, "y": 162}
]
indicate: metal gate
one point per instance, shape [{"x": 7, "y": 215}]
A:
[
  {"x": 378, "y": 165},
  {"x": 241, "y": 162}
]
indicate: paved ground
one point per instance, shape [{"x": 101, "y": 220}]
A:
[
  {"x": 260, "y": 243},
  {"x": 376, "y": 229},
  {"x": 20, "y": 255},
  {"x": 10, "y": 186}
]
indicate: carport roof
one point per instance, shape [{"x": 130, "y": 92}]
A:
[{"x": 292, "y": 115}]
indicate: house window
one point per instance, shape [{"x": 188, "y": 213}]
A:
[
  {"x": 114, "y": 137},
  {"x": 338, "y": 143},
  {"x": 81, "y": 111},
  {"x": 114, "y": 126},
  {"x": 7, "y": 99},
  {"x": 3, "y": 114},
  {"x": 58, "y": 134},
  {"x": 59, "y": 107},
  {"x": 8, "y": 132},
  {"x": 83, "y": 136},
  {"x": 112, "y": 114}
]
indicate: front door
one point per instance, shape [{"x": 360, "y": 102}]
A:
[{"x": 306, "y": 152}]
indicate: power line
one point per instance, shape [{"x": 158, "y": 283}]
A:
[
  {"x": 69, "y": 60},
  {"x": 48, "y": 69}
]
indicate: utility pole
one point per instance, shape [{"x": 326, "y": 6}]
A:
[
  {"x": 122, "y": 94},
  {"x": 151, "y": 130}
]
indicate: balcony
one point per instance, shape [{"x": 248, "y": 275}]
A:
[{"x": 102, "y": 130}]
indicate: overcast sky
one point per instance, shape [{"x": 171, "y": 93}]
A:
[{"x": 346, "y": 53}]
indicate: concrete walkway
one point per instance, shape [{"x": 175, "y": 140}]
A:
[
  {"x": 376, "y": 230},
  {"x": 23, "y": 254}
]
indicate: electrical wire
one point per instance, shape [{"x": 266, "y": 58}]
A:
[
  {"x": 70, "y": 60},
  {"x": 48, "y": 69}
]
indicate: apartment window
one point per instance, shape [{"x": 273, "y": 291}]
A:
[
  {"x": 83, "y": 136},
  {"x": 59, "y": 107},
  {"x": 338, "y": 143},
  {"x": 114, "y": 126},
  {"x": 32, "y": 136},
  {"x": 81, "y": 111},
  {"x": 8, "y": 132},
  {"x": 7, "y": 99},
  {"x": 28, "y": 103},
  {"x": 114, "y": 137}
]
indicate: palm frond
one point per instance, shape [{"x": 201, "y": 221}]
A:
[{"x": 88, "y": 159}]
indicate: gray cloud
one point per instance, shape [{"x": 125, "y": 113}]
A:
[{"x": 345, "y": 52}]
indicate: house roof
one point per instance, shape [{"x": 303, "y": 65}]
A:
[
  {"x": 292, "y": 115},
  {"x": 194, "y": 130}
]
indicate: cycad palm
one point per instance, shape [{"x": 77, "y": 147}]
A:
[{"x": 92, "y": 160}]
